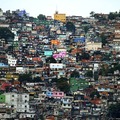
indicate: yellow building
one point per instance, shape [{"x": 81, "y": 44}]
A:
[
  {"x": 10, "y": 76},
  {"x": 60, "y": 17}
]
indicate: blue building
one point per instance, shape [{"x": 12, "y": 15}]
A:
[
  {"x": 2, "y": 65},
  {"x": 22, "y": 13},
  {"x": 80, "y": 39},
  {"x": 49, "y": 94}
]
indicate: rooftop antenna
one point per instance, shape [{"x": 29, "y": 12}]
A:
[{"x": 56, "y": 10}]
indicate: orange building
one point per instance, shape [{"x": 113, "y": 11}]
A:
[
  {"x": 55, "y": 42},
  {"x": 36, "y": 59},
  {"x": 50, "y": 118}
]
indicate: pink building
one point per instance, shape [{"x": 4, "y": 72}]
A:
[{"x": 57, "y": 94}]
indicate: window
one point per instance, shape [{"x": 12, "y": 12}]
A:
[
  {"x": 64, "y": 104},
  {"x": 60, "y": 93},
  {"x": 12, "y": 95},
  {"x": 12, "y": 106},
  {"x": 69, "y": 100}
]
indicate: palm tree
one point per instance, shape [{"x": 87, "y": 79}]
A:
[{"x": 92, "y": 13}]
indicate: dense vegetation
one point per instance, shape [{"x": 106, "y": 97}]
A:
[
  {"x": 114, "y": 111},
  {"x": 6, "y": 34}
]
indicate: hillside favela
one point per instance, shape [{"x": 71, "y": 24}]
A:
[{"x": 59, "y": 67}]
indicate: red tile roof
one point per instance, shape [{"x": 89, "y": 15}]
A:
[
  {"x": 96, "y": 101},
  {"x": 36, "y": 59},
  {"x": 4, "y": 85}
]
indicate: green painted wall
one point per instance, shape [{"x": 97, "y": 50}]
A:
[
  {"x": 76, "y": 84},
  {"x": 2, "y": 98}
]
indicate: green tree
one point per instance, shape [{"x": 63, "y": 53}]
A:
[
  {"x": 104, "y": 69},
  {"x": 41, "y": 117},
  {"x": 103, "y": 39},
  {"x": 96, "y": 75},
  {"x": 63, "y": 85},
  {"x": 95, "y": 94},
  {"x": 117, "y": 67},
  {"x": 114, "y": 111},
  {"x": 92, "y": 13},
  {"x": 51, "y": 60},
  {"x": 70, "y": 27},
  {"x": 31, "y": 19},
  {"x": 41, "y": 17},
  {"x": 10, "y": 48},
  {"x": 86, "y": 28},
  {"x": 113, "y": 67},
  {"x": 113, "y": 15},
  {"x": 89, "y": 73},
  {"x": 70, "y": 50},
  {"x": 54, "y": 80},
  {"x": 5, "y": 33},
  {"x": 85, "y": 55},
  {"x": 106, "y": 56},
  {"x": 1, "y": 92},
  {"x": 37, "y": 79},
  {"x": 96, "y": 16},
  {"x": 25, "y": 77},
  {"x": 75, "y": 74}
]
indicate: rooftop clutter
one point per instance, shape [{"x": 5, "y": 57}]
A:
[{"x": 58, "y": 70}]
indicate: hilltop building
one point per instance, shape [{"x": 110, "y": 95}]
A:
[{"x": 60, "y": 17}]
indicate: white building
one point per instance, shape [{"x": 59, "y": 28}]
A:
[
  {"x": 20, "y": 69},
  {"x": 18, "y": 102},
  {"x": 12, "y": 101},
  {"x": 23, "y": 103},
  {"x": 24, "y": 107},
  {"x": 42, "y": 96},
  {"x": 66, "y": 106},
  {"x": 56, "y": 66},
  {"x": 96, "y": 66},
  {"x": 66, "y": 102},
  {"x": 11, "y": 60},
  {"x": 93, "y": 45},
  {"x": 61, "y": 50},
  {"x": 16, "y": 38},
  {"x": 4, "y": 112},
  {"x": 14, "y": 31},
  {"x": 1, "y": 12},
  {"x": 27, "y": 115}
]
